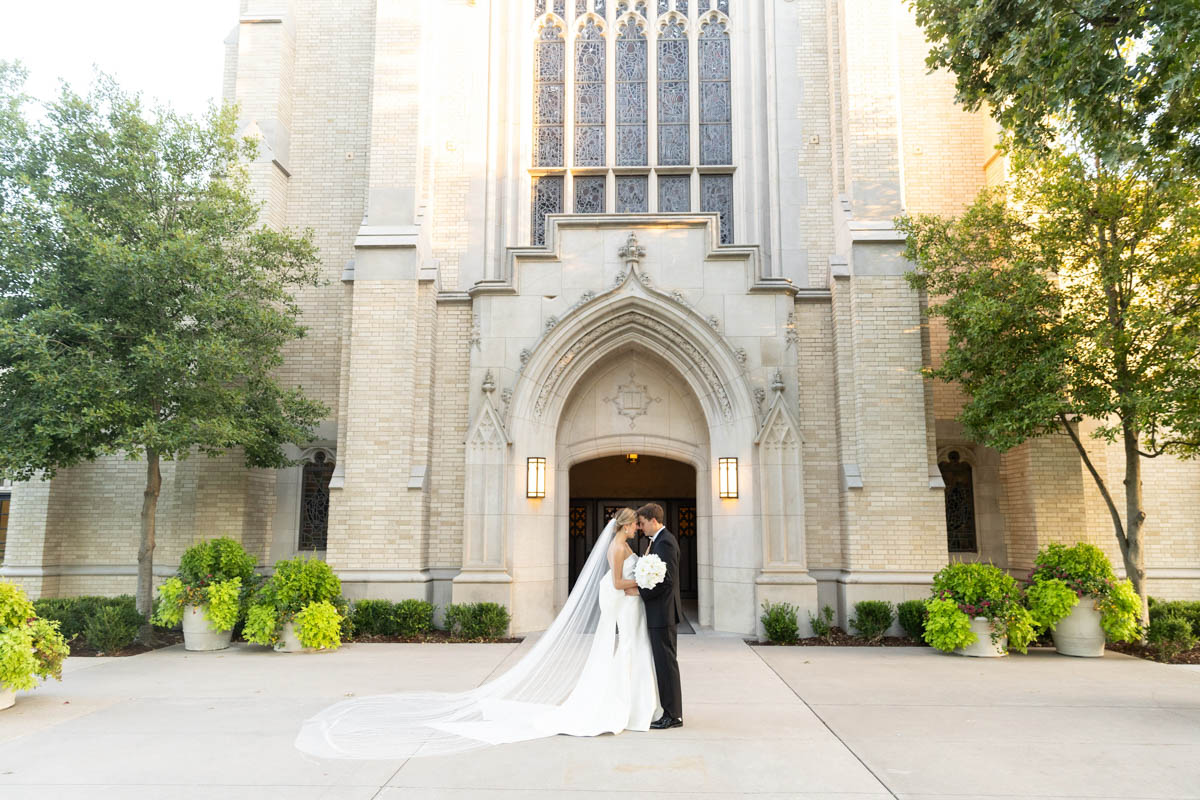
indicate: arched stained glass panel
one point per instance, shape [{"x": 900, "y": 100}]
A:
[
  {"x": 314, "y": 503},
  {"x": 542, "y": 6},
  {"x": 549, "y": 75},
  {"x": 631, "y": 95},
  {"x": 589, "y": 96},
  {"x": 716, "y": 145},
  {"x": 673, "y": 135},
  {"x": 960, "y": 504}
]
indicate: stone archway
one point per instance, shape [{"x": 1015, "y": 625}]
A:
[{"x": 751, "y": 545}]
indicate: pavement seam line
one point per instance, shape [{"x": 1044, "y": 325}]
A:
[{"x": 821, "y": 719}]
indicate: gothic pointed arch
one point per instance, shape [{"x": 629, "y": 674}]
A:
[{"x": 781, "y": 486}]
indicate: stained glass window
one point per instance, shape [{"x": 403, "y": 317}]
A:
[
  {"x": 716, "y": 194},
  {"x": 547, "y": 199},
  {"x": 960, "y": 504},
  {"x": 674, "y": 193},
  {"x": 589, "y": 194},
  {"x": 631, "y": 95},
  {"x": 680, "y": 5},
  {"x": 673, "y": 135},
  {"x": 542, "y": 6},
  {"x": 632, "y": 194},
  {"x": 314, "y": 503},
  {"x": 716, "y": 146},
  {"x": 589, "y": 96},
  {"x": 637, "y": 6},
  {"x": 549, "y": 75}
]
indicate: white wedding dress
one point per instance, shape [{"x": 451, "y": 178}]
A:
[{"x": 591, "y": 672}]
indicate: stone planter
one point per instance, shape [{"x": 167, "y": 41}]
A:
[
  {"x": 983, "y": 647},
  {"x": 198, "y": 632},
  {"x": 1079, "y": 633},
  {"x": 7, "y": 698},
  {"x": 289, "y": 642}
]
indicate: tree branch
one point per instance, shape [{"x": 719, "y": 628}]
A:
[{"x": 1112, "y": 507}]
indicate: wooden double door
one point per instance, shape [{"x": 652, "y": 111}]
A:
[{"x": 588, "y": 517}]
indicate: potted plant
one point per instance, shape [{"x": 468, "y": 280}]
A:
[
  {"x": 976, "y": 610},
  {"x": 1074, "y": 593},
  {"x": 206, "y": 593},
  {"x": 300, "y": 607},
  {"x": 30, "y": 647}
]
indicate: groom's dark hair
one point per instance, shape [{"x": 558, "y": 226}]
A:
[{"x": 651, "y": 511}]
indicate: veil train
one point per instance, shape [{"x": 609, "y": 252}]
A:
[{"x": 505, "y": 709}]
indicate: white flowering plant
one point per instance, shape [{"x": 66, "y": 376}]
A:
[{"x": 649, "y": 571}]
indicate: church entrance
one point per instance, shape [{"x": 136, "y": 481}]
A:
[{"x": 601, "y": 486}]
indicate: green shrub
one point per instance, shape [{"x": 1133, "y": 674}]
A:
[
  {"x": 1083, "y": 570},
  {"x": 73, "y": 614},
  {"x": 872, "y": 618},
  {"x": 30, "y": 647},
  {"x": 261, "y": 625},
  {"x": 477, "y": 620},
  {"x": 912, "y": 614},
  {"x": 779, "y": 622},
  {"x": 1170, "y": 635},
  {"x": 415, "y": 618},
  {"x": 375, "y": 618},
  {"x": 319, "y": 625},
  {"x": 822, "y": 624},
  {"x": 112, "y": 628},
  {"x": 1177, "y": 608},
  {"x": 977, "y": 590}
]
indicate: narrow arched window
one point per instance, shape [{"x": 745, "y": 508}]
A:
[
  {"x": 631, "y": 95},
  {"x": 314, "y": 502},
  {"x": 673, "y": 135},
  {"x": 589, "y": 96},
  {"x": 960, "y": 504}
]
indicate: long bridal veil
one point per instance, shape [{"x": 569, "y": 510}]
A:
[{"x": 505, "y": 709}]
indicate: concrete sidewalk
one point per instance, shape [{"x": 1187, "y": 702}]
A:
[{"x": 840, "y": 723}]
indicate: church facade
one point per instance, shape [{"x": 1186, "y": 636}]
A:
[{"x": 583, "y": 254}]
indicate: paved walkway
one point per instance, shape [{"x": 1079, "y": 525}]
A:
[{"x": 802, "y": 723}]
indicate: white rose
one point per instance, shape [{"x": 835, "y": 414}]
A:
[{"x": 649, "y": 571}]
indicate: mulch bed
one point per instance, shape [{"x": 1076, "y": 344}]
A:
[
  {"x": 433, "y": 637},
  {"x": 839, "y": 638},
  {"x": 159, "y": 638},
  {"x": 1142, "y": 651}
]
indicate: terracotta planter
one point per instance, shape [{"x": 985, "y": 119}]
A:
[
  {"x": 1079, "y": 633},
  {"x": 289, "y": 642},
  {"x": 7, "y": 698},
  {"x": 199, "y": 633},
  {"x": 983, "y": 647}
]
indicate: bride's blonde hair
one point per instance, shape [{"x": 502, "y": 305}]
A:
[{"x": 624, "y": 517}]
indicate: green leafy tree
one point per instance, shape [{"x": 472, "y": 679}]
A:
[
  {"x": 143, "y": 307},
  {"x": 1075, "y": 296},
  {"x": 1120, "y": 76}
]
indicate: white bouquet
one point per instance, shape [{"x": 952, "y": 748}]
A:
[{"x": 649, "y": 571}]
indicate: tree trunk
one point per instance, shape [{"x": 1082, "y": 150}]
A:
[
  {"x": 145, "y": 576},
  {"x": 1135, "y": 515}
]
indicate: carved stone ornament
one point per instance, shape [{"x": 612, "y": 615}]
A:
[
  {"x": 698, "y": 358},
  {"x": 489, "y": 383},
  {"x": 777, "y": 381},
  {"x": 632, "y": 400},
  {"x": 631, "y": 252},
  {"x": 714, "y": 322}
]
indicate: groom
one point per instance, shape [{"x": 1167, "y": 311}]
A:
[{"x": 663, "y": 611}]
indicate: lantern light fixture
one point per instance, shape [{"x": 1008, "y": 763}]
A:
[
  {"x": 727, "y": 472},
  {"x": 535, "y": 478},
  {"x": 632, "y": 458}
]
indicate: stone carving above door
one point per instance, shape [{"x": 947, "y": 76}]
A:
[{"x": 632, "y": 400}]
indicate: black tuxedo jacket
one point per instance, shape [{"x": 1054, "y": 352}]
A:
[{"x": 663, "y": 606}]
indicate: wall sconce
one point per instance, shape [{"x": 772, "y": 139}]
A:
[
  {"x": 535, "y": 478},
  {"x": 728, "y": 474},
  {"x": 632, "y": 458}
]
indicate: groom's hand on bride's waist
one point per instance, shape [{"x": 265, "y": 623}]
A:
[{"x": 632, "y": 591}]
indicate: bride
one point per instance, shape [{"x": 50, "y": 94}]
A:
[{"x": 591, "y": 672}]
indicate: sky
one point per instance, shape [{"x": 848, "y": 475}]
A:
[{"x": 171, "y": 50}]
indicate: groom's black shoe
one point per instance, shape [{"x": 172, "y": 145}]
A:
[{"x": 664, "y": 722}]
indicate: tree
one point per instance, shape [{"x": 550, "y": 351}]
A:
[
  {"x": 142, "y": 305},
  {"x": 1075, "y": 296},
  {"x": 1118, "y": 75}
]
